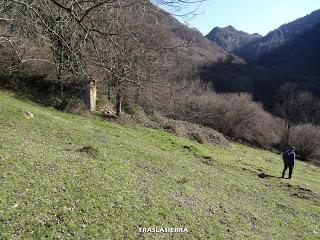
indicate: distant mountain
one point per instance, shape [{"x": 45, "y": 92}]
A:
[
  {"x": 297, "y": 61},
  {"x": 230, "y": 38},
  {"x": 278, "y": 37},
  {"x": 199, "y": 49},
  {"x": 299, "y": 55}
]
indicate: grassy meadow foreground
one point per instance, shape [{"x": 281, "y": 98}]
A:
[{"x": 72, "y": 177}]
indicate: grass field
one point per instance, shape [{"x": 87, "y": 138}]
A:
[{"x": 63, "y": 176}]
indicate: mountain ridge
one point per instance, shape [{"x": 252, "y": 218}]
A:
[
  {"x": 199, "y": 49},
  {"x": 229, "y": 38},
  {"x": 278, "y": 37}
]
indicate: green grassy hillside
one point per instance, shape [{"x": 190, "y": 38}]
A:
[{"x": 70, "y": 177}]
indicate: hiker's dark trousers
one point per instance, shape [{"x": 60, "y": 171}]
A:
[{"x": 286, "y": 166}]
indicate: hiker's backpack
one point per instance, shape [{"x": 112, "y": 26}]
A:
[{"x": 285, "y": 155}]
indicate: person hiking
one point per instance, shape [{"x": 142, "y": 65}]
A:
[{"x": 289, "y": 158}]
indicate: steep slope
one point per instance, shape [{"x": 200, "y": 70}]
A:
[
  {"x": 300, "y": 54},
  {"x": 190, "y": 43},
  {"x": 198, "y": 49},
  {"x": 298, "y": 59},
  {"x": 230, "y": 38},
  {"x": 278, "y": 37},
  {"x": 70, "y": 177}
]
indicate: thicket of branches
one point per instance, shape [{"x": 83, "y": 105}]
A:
[
  {"x": 306, "y": 138},
  {"x": 235, "y": 115},
  {"x": 107, "y": 41}
]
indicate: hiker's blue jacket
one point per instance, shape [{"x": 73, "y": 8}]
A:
[{"x": 291, "y": 157}]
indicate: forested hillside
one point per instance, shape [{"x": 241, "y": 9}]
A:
[
  {"x": 127, "y": 50},
  {"x": 287, "y": 62},
  {"x": 134, "y": 55},
  {"x": 278, "y": 37}
]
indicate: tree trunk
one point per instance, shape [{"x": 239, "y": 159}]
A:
[
  {"x": 137, "y": 96},
  {"x": 287, "y": 134},
  {"x": 91, "y": 96},
  {"x": 61, "y": 89},
  {"x": 119, "y": 103},
  {"x": 109, "y": 94}
]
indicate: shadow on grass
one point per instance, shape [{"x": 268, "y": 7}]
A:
[
  {"x": 45, "y": 92},
  {"x": 264, "y": 175}
]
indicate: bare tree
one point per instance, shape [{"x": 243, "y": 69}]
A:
[
  {"x": 306, "y": 138},
  {"x": 74, "y": 30},
  {"x": 296, "y": 107}
]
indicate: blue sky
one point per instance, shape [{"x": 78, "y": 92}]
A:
[{"x": 252, "y": 16}]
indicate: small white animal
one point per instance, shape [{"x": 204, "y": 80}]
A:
[{"x": 29, "y": 114}]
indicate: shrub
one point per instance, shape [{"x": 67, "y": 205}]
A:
[
  {"x": 195, "y": 132},
  {"x": 306, "y": 139},
  {"x": 176, "y": 129},
  {"x": 134, "y": 109},
  {"x": 103, "y": 102},
  {"x": 75, "y": 105},
  {"x": 158, "y": 119},
  {"x": 199, "y": 137},
  {"x": 235, "y": 115}
]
